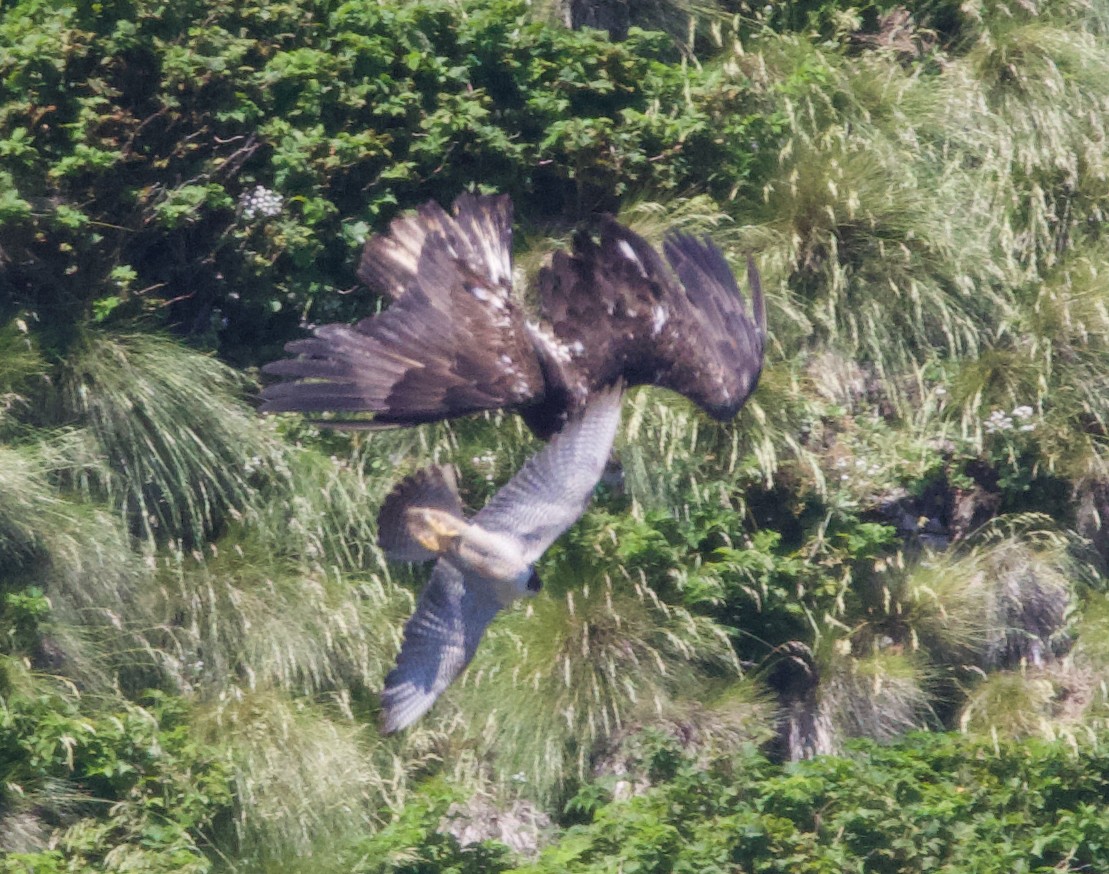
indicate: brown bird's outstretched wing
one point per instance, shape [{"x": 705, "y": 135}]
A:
[
  {"x": 453, "y": 342},
  {"x": 623, "y": 312},
  {"x": 455, "y": 339}
]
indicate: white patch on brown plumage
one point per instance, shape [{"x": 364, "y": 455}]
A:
[
  {"x": 540, "y": 333},
  {"x": 628, "y": 252},
  {"x": 660, "y": 317}
]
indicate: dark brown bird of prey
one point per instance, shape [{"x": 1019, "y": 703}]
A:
[
  {"x": 486, "y": 563},
  {"x": 456, "y": 339}
]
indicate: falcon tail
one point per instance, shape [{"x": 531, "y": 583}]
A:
[{"x": 421, "y": 515}]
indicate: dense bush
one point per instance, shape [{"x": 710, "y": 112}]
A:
[
  {"x": 126, "y": 786},
  {"x": 134, "y": 136},
  {"x": 927, "y": 803},
  {"x": 930, "y": 803}
]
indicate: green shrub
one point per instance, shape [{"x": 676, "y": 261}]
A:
[
  {"x": 927, "y": 803},
  {"x": 128, "y": 137},
  {"x": 123, "y": 787}
]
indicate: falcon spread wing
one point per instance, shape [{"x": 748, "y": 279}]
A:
[
  {"x": 491, "y": 563},
  {"x": 440, "y": 638},
  {"x": 551, "y": 491},
  {"x": 457, "y": 340}
]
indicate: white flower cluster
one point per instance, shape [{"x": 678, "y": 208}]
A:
[
  {"x": 862, "y": 468},
  {"x": 1018, "y": 419},
  {"x": 486, "y": 463},
  {"x": 261, "y": 201}
]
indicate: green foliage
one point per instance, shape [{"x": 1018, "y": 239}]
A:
[
  {"x": 928, "y": 803},
  {"x": 22, "y": 614},
  {"x": 923, "y": 194},
  {"x": 130, "y": 138},
  {"x": 414, "y": 842},
  {"x": 142, "y": 792}
]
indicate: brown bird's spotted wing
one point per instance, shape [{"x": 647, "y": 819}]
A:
[
  {"x": 456, "y": 339},
  {"x": 622, "y": 312}
]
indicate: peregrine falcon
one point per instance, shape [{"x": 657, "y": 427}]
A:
[
  {"x": 486, "y": 563},
  {"x": 457, "y": 338}
]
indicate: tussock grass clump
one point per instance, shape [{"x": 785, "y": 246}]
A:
[
  {"x": 81, "y": 558},
  {"x": 941, "y": 606},
  {"x": 1033, "y": 599},
  {"x": 1012, "y": 703},
  {"x": 1050, "y": 357},
  {"x": 25, "y": 502},
  {"x": 1004, "y": 600},
  {"x": 674, "y": 457},
  {"x": 880, "y": 696},
  {"x": 851, "y": 684},
  {"x": 171, "y": 442},
  {"x": 1061, "y": 696},
  {"x": 1046, "y": 82},
  {"x": 912, "y": 641},
  {"x": 886, "y": 239},
  {"x": 666, "y": 448},
  {"x": 305, "y": 774},
  {"x": 697, "y": 214},
  {"x": 323, "y": 514},
  {"x": 22, "y": 365},
  {"x": 556, "y": 680},
  {"x": 263, "y": 621}
]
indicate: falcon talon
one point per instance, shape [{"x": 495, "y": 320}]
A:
[{"x": 434, "y": 530}]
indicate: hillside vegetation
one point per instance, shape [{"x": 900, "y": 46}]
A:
[{"x": 861, "y": 628}]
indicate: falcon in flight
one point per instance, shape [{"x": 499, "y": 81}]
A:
[
  {"x": 486, "y": 563},
  {"x": 457, "y": 339}
]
